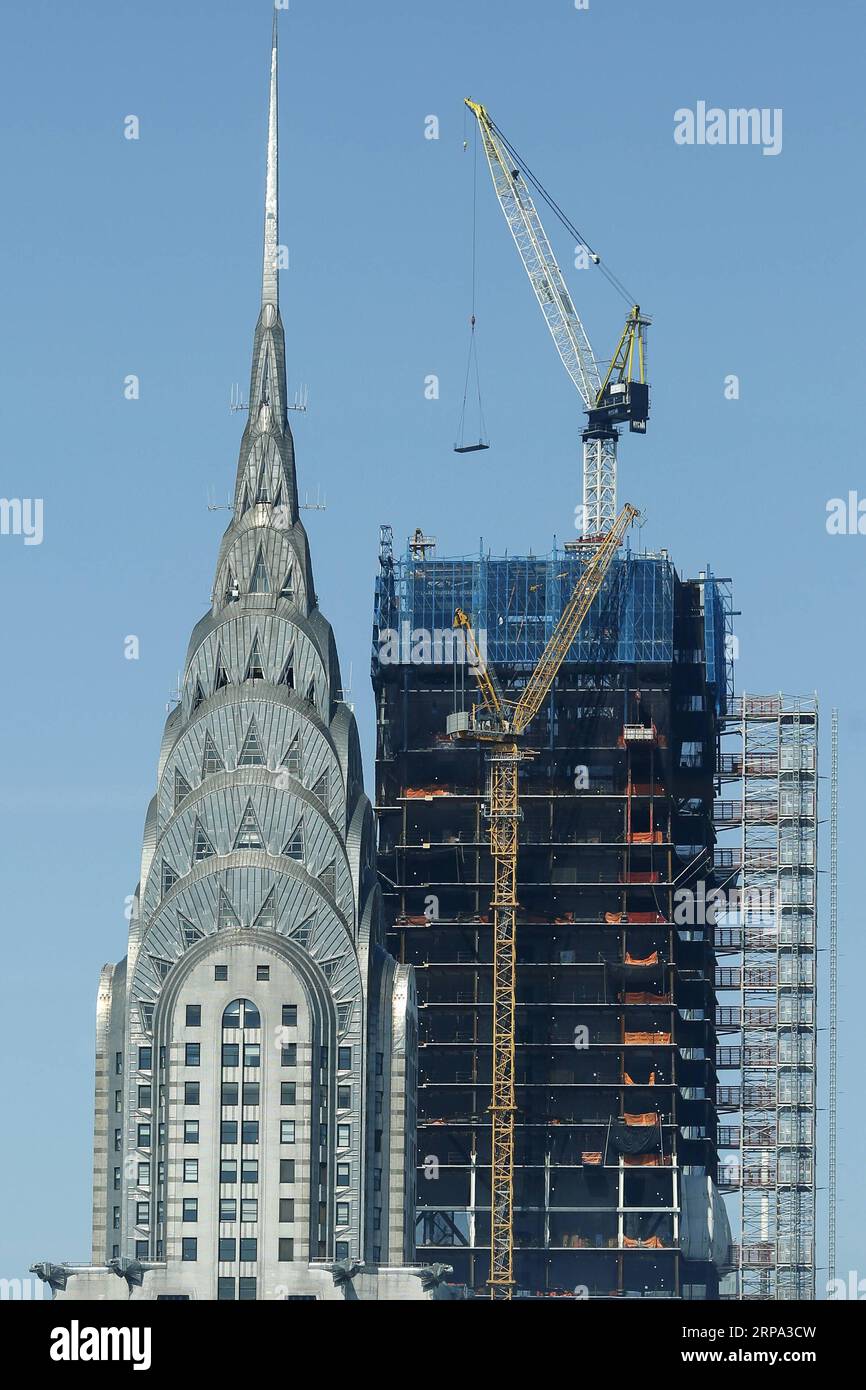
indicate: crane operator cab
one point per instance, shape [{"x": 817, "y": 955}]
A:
[{"x": 624, "y": 393}]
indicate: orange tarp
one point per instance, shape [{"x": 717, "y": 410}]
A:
[
  {"x": 646, "y": 1160},
  {"x": 642, "y": 960},
  {"x": 592, "y": 1157},
  {"x": 651, "y": 1243},
  {"x": 644, "y": 1038},
  {"x": 645, "y": 837},
  {"x": 628, "y": 1081},
  {"x": 615, "y": 918},
  {"x": 421, "y": 793},
  {"x": 642, "y": 997}
]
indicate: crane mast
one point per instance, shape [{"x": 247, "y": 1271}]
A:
[
  {"x": 502, "y": 723},
  {"x": 622, "y": 393}
]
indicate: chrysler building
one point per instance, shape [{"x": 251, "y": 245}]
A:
[{"x": 255, "y": 1064}]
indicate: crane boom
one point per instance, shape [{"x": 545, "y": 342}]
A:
[
  {"x": 622, "y": 394},
  {"x": 488, "y": 684},
  {"x": 571, "y": 619},
  {"x": 545, "y": 276},
  {"x": 502, "y": 725}
]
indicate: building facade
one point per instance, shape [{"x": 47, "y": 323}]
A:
[
  {"x": 615, "y": 1190},
  {"x": 254, "y": 1110}
]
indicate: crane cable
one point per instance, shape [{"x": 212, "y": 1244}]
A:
[
  {"x": 472, "y": 359},
  {"x": 557, "y": 211}
]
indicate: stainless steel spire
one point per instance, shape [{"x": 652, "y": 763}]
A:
[{"x": 270, "y": 278}]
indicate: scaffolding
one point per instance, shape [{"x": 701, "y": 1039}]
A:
[
  {"x": 834, "y": 994},
  {"x": 766, "y": 935}
]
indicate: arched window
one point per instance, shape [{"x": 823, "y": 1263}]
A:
[{"x": 241, "y": 1009}]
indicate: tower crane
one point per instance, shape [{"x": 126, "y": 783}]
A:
[
  {"x": 621, "y": 393},
  {"x": 502, "y": 723}
]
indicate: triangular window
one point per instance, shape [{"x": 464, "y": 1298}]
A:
[
  {"x": 232, "y": 591},
  {"x": 278, "y": 495},
  {"x": 321, "y": 789},
  {"x": 255, "y": 670},
  {"x": 182, "y": 788},
  {"x": 190, "y": 931},
  {"x": 287, "y": 676},
  {"x": 161, "y": 966},
  {"x": 245, "y": 501},
  {"x": 220, "y": 679},
  {"x": 292, "y": 758},
  {"x": 262, "y": 489},
  {"x": 201, "y": 845},
  {"x": 260, "y": 582},
  {"x": 226, "y": 915},
  {"x": 288, "y": 589},
  {"x": 211, "y": 760},
  {"x": 302, "y": 933},
  {"x": 198, "y": 697},
  {"x": 169, "y": 877},
  {"x": 147, "y": 1016},
  {"x": 328, "y": 878},
  {"x": 294, "y": 846},
  {"x": 311, "y": 693},
  {"x": 249, "y": 836},
  {"x": 267, "y": 918},
  {"x": 251, "y": 754}
]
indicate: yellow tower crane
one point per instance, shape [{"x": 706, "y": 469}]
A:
[{"x": 502, "y": 722}]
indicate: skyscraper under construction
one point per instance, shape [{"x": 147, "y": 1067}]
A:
[{"x": 615, "y": 1160}]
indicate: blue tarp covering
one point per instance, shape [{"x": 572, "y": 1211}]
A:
[{"x": 516, "y": 602}]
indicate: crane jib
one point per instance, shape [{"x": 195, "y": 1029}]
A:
[{"x": 622, "y": 397}]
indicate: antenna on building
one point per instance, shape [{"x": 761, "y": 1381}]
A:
[
  {"x": 346, "y": 691},
  {"x": 300, "y": 403},
  {"x": 213, "y": 506},
  {"x": 320, "y": 504}
]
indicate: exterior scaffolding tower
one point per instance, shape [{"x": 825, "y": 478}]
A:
[
  {"x": 768, "y": 932},
  {"x": 834, "y": 982}
]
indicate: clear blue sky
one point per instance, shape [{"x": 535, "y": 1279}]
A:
[{"x": 121, "y": 257}]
